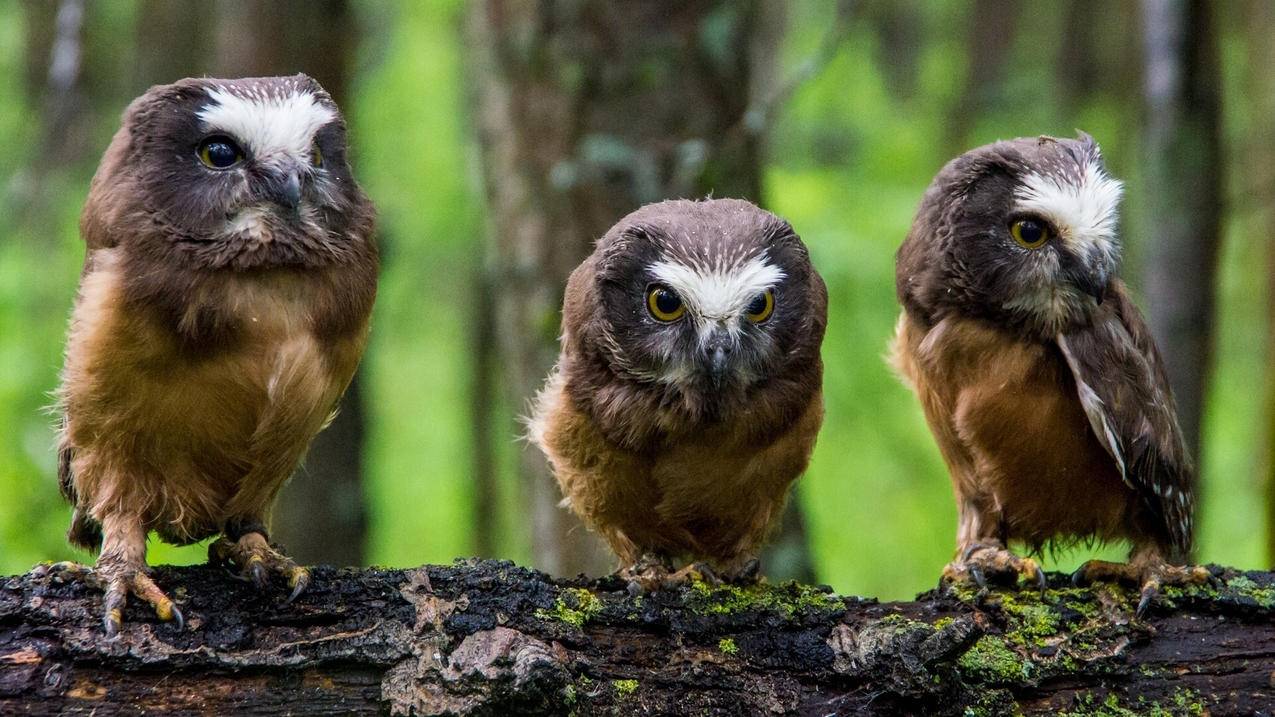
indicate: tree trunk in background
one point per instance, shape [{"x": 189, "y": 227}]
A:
[
  {"x": 320, "y": 515},
  {"x": 1259, "y": 27},
  {"x": 990, "y": 29},
  {"x": 587, "y": 110},
  {"x": 1182, "y": 193}
]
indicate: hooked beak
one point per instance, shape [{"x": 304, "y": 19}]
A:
[
  {"x": 1093, "y": 283},
  {"x": 717, "y": 356},
  {"x": 284, "y": 189}
]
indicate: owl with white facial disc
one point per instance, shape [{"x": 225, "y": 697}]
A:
[
  {"x": 1038, "y": 376},
  {"x": 222, "y": 310},
  {"x": 687, "y": 395}
]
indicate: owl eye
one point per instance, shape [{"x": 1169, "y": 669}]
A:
[
  {"x": 664, "y": 303},
  {"x": 761, "y": 307},
  {"x": 1029, "y": 233},
  {"x": 218, "y": 152},
  {"x": 316, "y": 156}
]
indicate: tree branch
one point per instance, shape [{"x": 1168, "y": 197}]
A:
[{"x": 486, "y": 637}]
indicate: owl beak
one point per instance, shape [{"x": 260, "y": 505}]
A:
[
  {"x": 285, "y": 189},
  {"x": 717, "y": 357},
  {"x": 1093, "y": 283}
]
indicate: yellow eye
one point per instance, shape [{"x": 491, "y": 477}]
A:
[
  {"x": 761, "y": 307},
  {"x": 1029, "y": 233},
  {"x": 218, "y": 152},
  {"x": 664, "y": 303},
  {"x": 317, "y": 156}
]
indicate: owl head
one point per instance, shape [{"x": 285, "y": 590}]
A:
[
  {"x": 241, "y": 173},
  {"x": 702, "y": 302},
  {"x": 1022, "y": 232}
]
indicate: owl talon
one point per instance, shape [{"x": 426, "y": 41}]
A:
[
  {"x": 257, "y": 560},
  {"x": 1151, "y": 573},
  {"x": 1041, "y": 581},
  {"x": 1149, "y": 592},
  {"x": 123, "y": 581},
  {"x": 979, "y": 579},
  {"x": 299, "y": 580}
]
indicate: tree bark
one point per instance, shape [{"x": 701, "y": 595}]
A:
[
  {"x": 284, "y": 37},
  {"x": 491, "y": 638},
  {"x": 586, "y": 111},
  {"x": 1183, "y": 158}
]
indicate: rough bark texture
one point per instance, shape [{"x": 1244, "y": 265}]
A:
[{"x": 486, "y": 637}]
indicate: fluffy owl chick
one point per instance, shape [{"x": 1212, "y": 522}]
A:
[
  {"x": 222, "y": 310},
  {"x": 687, "y": 395},
  {"x": 1037, "y": 374}
]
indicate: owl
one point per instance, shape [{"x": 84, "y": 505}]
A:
[
  {"x": 687, "y": 395},
  {"x": 1036, "y": 372},
  {"x": 221, "y": 312}
]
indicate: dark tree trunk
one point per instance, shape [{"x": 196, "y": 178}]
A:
[
  {"x": 320, "y": 514},
  {"x": 585, "y": 112},
  {"x": 990, "y": 29},
  {"x": 490, "y": 638},
  {"x": 1183, "y": 193}
]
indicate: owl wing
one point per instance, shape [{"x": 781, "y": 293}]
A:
[{"x": 1125, "y": 393}]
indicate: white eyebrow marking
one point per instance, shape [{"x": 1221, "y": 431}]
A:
[
  {"x": 265, "y": 122},
  {"x": 1085, "y": 211},
  {"x": 718, "y": 293}
]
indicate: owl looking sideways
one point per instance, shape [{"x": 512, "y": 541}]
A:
[
  {"x": 687, "y": 395},
  {"x": 1037, "y": 374},
  {"x": 221, "y": 312}
]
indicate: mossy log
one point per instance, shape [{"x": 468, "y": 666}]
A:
[{"x": 486, "y": 637}]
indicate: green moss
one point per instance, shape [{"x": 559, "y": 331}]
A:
[
  {"x": 1184, "y": 703},
  {"x": 727, "y": 646},
  {"x": 574, "y": 606},
  {"x": 624, "y": 688},
  {"x": 1264, "y": 596},
  {"x": 943, "y": 622},
  {"x": 569, "y": 695},
  {"x": 787, "y": 599},
  {"x": 991, "y": 660}
]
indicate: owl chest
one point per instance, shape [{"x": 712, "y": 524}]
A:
[{"x": 1010, "y": 425}]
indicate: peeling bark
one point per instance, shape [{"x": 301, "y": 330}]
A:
[{"x": 487, "y": 637}]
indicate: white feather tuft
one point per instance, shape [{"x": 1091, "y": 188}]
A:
[
  {"x": 267, "y": 123},
  {"x": 1084, "y": 208}
]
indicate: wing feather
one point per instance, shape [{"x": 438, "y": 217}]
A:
[{"x": 1125, "y": 393}]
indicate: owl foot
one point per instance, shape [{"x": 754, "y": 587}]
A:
[
  {"x": 1150, "y": 575},
  {"x": 256, "y": 560},
  {"x": 984, "y": 562},
  {"x": 117, "y": 580}
]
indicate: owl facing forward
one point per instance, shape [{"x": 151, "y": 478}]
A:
[
  {"x": 1037, "y": 374},
  {"x": 221, "y": 312},
  {"x": 687, "y": 395}
]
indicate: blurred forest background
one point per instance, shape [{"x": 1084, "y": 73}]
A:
[{"x": 500, "y": 137}]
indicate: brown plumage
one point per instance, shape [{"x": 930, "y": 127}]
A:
[
  {"x": 677, "y": 436},
  {"x": 1037, "y": 374},
  {"x": 222, "y": 311}
]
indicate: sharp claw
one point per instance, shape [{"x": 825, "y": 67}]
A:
[
  {"x": 1078, "y": 578},
  {"x": 1041, "y": 582},
  {"x": 300, "y": 580},
  {"x": 258, "y": 572},
  {"x": 750, "y": 570},
  {"x": 1148, "y": 596},
  {"x": 979, "y": 579},
  {"x": 178, "y": 618}
]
